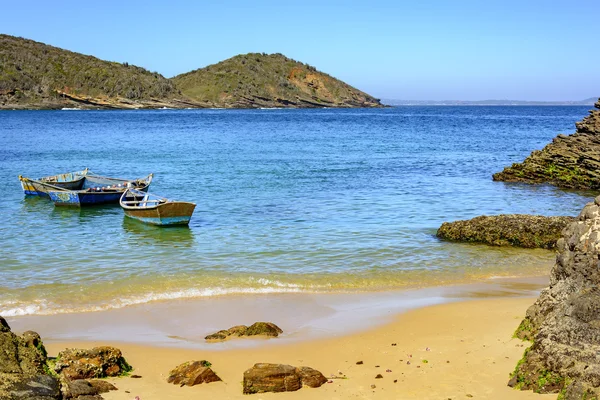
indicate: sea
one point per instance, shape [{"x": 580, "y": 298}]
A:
[{"x": 288, "y": 201}]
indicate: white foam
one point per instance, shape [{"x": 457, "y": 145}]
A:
[{"x": 44, "y": 308}]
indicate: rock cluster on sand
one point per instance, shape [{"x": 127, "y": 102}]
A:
[
  {"x": 265, "y": 377},
  {"x": 192, "y": 373},
  {"x": 26, "y": 373},
  {"x": 256, "y": 329},
  {"x": 564, "y": 323},
  {"x": 569, "y": 161},
  {"x": 22, "y": 367},
  {"x": 519, "y": 230}
]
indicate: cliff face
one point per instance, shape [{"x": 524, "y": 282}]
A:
[
  {"x": 569, "y": 161},
  {"x": 36, "y": 75},
  {"x": 268, "y": 80},
  {"x": 564, "y": 323}
]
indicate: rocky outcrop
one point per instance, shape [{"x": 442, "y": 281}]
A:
[
  {"x": 568, "y": 162},
  {"x": 193, "y": 373},
  {"x": 520, "y": 230},
  {"x": 99, "y": 362},
  {"x": 256, "y": 329},
  {"x": 23, "y": 372},
  {"x": 564, "y": 323},
  {"x": 264, "y": 377}
]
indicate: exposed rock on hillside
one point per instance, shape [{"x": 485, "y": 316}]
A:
[
  {"x": 569, "y": 161},
  {"x": 564, "y": 323},
  {"x": 268, "y": 80},
  {"x": 36, "y": 75},
  {"x": 519, "y": 230}
]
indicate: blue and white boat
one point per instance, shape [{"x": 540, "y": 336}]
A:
[{"x": 100, "y": 190}]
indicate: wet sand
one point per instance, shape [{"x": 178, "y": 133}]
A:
[
  {"x": 455, "y": 350},
  {"x": 451, "y": 342},
  {"x": 302, "y": 316}
]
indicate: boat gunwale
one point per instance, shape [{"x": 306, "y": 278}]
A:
[{"x": 157, "y": 201}]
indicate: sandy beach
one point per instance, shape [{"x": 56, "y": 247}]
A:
[{"x": 454, "y": 350}]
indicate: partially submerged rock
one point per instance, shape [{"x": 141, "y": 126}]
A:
[
  {"x": 193, "y": 373},
  {"x": 264, "y": 377},
  {"x": 256, "y": 329},
  {"x": 519, "y": 230},
  {"x": 99, "y": 362},
  {"x": 564, "y": 323},
  {"x": 568, "y": 161}
]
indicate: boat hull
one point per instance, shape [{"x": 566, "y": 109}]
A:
[
  {"x": 165, "y": 214},
  {"x": 79, "y": 199},
  {"x": 34, "y": 187},
  {"x": 94, "y": 196}
]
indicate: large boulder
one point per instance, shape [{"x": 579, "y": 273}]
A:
[
  {"x": 564, "y": 322},
  {"x": 521, "y": 230},
  {"x": 264, "y": 377},
  {"x": 23, "y": 371},
  {"x": 192, "y": 373},
  {"x": 568, "y": 161},
  {"x": 99, "y": 362},
  {"x": 256, "y": 329}
]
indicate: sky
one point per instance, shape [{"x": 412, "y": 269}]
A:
[{"x": 410, "y": 50}]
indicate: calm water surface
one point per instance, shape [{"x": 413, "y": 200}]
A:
[{"x": 288, "y": 201}]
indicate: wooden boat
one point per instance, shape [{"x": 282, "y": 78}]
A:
[
  {"x": 102, "y": 194},
  {"x": 40, "y": 186},
  {"x": 155, "y": 210}
]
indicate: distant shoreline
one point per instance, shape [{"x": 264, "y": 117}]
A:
[
  {"x": 395, "y": 103},
  {"x": 88, "y": 108}
]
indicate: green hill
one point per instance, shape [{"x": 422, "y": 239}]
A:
[
  {"x": 36, "y": 75},
  {"x": 268, "y": 80}
]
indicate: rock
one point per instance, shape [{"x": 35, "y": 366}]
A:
[
  {"x": 193, "y": 373},
  {"x": 37, "y": 387},
  {"x": 271, "y": 378},
  {"x": 102, "y": 386},
  {"x": 264, "y": 329},
  {"x": 99, "y": 362},
  {"x": 519, "y": 230},
  {"x": 311, "y": 377},
  {"x": 564, "y": 322},
  {"x": 265, "y": 377},
  {"x": 4, "y": 325},
  {"x": 256, "y": 329},
  {"x": 569, "y": 161},
  {"x": 22, "y": 366}
]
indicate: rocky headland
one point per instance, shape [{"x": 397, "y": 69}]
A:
[
  {"x": 571, "y": 162},
  {"x": 269, "y": 80},
  {"x": 34, "y": 75},
  {"x": 564, "y": 323},
  {"x": 520, "y": 230}
]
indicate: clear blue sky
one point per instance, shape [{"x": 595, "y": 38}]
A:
[{"x": 420, "y": 49}]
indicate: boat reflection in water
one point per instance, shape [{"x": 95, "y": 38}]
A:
[{"x": 139, "y": 233}]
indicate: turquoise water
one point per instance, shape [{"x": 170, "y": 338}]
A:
[{"x": 287, "y": 201}]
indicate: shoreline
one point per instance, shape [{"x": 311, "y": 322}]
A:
[
  {"x": 183, "y": 323},
  {"x": 452, "y": 350}
]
